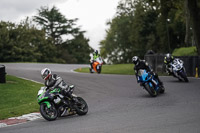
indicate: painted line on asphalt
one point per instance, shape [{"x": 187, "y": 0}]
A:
[{"x": 31, "y": 80}]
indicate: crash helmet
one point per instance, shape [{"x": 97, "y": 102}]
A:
[
  {"x": 96, "y": 52},
  {"x": 45, "y": 73},
  {"x": 168, "y": 58},
  {"x": 135, "y": 60}
]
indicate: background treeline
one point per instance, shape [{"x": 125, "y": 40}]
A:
[
  {"x": 158, "y": 25},
  {"x": 46, "y": 37}
]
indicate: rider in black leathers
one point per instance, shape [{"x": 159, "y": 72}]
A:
[
  {"x": 54, "y": 81},
  {"x": 142, "y": 64}
]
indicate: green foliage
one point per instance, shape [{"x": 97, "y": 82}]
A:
[
  {"x": 78, "y": 49},
  {"x": 18, "y": 97},
  {"x": 25, "y": 43},
  {"x": 142, "y": 25},
  {"x": 185, "y": 51},
  {"x": 55, "y": 24}
]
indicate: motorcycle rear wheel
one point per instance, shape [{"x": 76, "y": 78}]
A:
[
  {"x": 82, "y": 107},
  {"x": 162, "y": 89},
  {"x": 49, "y": 114},
  {"x": 99, "y": 70}
]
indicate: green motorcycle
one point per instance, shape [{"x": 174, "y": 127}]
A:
[{"x": 53, "y": 104}]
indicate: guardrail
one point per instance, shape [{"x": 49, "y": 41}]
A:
[{"x": 191, "y": 63}]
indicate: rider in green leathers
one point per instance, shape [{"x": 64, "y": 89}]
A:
[{"x": 95, "y": 56}]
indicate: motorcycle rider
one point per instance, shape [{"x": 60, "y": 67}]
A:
[
  {"x": 168, "y": 59},
  {"x": 95, "y": 56},
  {"x": 142, "y": 64},
  {"x": 54, "y": 81}
]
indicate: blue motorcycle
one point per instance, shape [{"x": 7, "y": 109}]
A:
[{"x": 150, "y": 83}]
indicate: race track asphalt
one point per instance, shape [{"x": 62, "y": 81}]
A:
[{"x": 117, "y": 104}]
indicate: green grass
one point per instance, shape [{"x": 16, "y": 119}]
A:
[
  {"x": 122, "y": 69},
  {"x": 185, "y": 51},
  {"x": 126, "y": 69},
  {"x": 18, "y": 97}
]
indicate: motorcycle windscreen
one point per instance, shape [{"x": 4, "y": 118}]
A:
[{"x": 143, "y": 74}]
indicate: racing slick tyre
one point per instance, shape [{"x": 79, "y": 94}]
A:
[
  {"x": 49, "y": 114},
  {"x": 150, "y": 90}
]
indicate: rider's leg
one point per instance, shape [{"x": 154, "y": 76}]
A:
[
  {"x": 91, "y": 63},
  {"x": 156, "y": 76}
]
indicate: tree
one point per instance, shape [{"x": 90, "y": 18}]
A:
[
  {"x": 142, "y": 25},
  {"x": 55, "y": 24},
  {"x": 23, "y": 42},
  {"x": 131, "y": 32},
  {"x": 194, "y": 12},
  {"x": 58, "y": 27},
  {"x": 78, "y": 50}
]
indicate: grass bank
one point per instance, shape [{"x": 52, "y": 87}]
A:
[
  {"x": 18, "y": 97},
  {"x": 185, "y": 51},
  {"x": 126, "y": 69}
]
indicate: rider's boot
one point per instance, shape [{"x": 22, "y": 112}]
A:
[
  {"x": 91, "y": 65},
  {"x": 159, "y": 81}
]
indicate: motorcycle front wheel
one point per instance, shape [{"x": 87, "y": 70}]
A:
[
  {"x": 49, "y": 114},
  {"x": 150, "y": 90},
  {"x": 184, "y": 76},
  {"x": 81, "y": 107},
  {"x": 99, "y": 70}
]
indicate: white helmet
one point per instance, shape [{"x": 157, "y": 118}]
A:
[{"x": 45, "y": 73}]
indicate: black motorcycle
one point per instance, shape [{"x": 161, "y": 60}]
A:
[{"x": 53, "y": 104}]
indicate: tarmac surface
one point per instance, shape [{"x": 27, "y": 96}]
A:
[{"x": 117, "y": 104}]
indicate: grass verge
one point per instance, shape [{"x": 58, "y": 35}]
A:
[
  {"x": 126, "y": 69},
  {"x": 18, "y": 97},
  {"x": 122, "y": 69}
]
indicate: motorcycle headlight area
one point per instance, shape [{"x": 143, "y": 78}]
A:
[
  {"x": 41, "y": 96},
  {"x": 178, "y": 67}
]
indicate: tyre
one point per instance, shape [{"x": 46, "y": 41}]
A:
[
  {"x": 184, "y": 76},
  {"x": 82, "y": 107},
  {"x": 150, "y": 90},
  {"x": 49, "y": 114},
  {"x": 99, "y": 70},
  {"x": 162, "y": 89},
  {"x": 186, "y": 79}
]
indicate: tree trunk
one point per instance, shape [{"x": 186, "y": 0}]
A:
[
  {"x": 194, "y": 12},
  {"x": 164, "y": 28},
  {"x": 187, "y": 25}
]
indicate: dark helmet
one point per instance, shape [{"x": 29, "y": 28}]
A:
[
  {"x": 135, "y": 60},
  {"x": 168, "y": 57},
  {"x": 45, "y": 73},
  {"x": 96, "y": 52}
]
